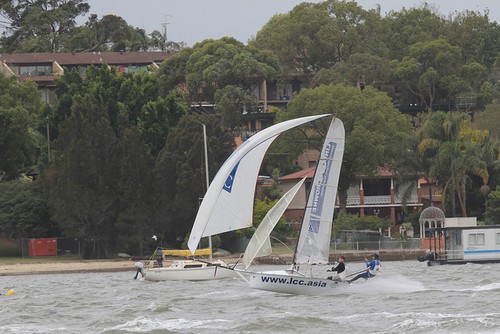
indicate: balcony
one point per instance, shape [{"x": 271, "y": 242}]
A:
[{"x": 353, "y": 201}]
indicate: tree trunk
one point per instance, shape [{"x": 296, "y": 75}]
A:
[
  {"x": 461, "y": 197},
  {"x": 453, "y": 201},
  {"x": 342, "y": 200}
]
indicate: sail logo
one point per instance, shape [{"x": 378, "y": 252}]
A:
[
  {"x": 228, "y": 185},
  {"x": 320, "y": 187},
  {"x": 330, "y": 150}
]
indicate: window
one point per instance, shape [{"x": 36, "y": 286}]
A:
[
  {"x": 272, "y": 91},
  {"x": 377, "y": 187},
  {"x": 498, "y": 238},
  {"x": 135, "y": 69},
  {"x": 35, "y": 70},
  {"x": 476, "y": 239}
]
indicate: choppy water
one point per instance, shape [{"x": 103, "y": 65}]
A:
[{"x": 406, "y": 297}]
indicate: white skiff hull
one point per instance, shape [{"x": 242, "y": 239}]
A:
[
  {"x": 187, "y": 272},
  {"x": 293, "y": 284}
]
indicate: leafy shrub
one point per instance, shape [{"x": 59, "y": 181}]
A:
[{"x": 346, "y": 221}]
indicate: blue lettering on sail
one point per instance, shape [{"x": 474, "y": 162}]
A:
[
  {"x": 228, "y": 185},
  {"x": 314, "y": 225},
  {"x": 320, "y": 188}
]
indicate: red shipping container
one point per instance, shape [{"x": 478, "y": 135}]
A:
[{"x": 43, "y": 247}]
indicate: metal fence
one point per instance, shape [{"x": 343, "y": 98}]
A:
[
  {"x": 382, "y": 244},
  {"x": 51, "y": 247}
]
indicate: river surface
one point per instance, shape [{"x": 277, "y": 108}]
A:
[{"x": 406, "y": 297}]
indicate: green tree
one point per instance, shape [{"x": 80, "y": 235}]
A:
[
  {"x": 492, "y": 214},
  {"x": 429, "y": 70},
  {"x": 231, "y": 102},
  {"x": 132, "y": 95},
  {"x": 410, "y": 26},
  {"x": 223, "y": 72},
  {"x": 346, "y": 221},
  {"x": 274, "y": 191},
  {"x": 359, "y": 70},
  {"x": 489, "y": 119},
  {"x": 470, "y": 92},
  {"x": 454, "y": 151},
  {"x": 293, "y": 38},
  {"x": 157, "y": 118},
  {"x": 24, "y": 210},
  {"x": 20, "y": 107},
  {"x": 158, "y": 42},
  {"x": 119, "y": 124},
  {"x": 282, "y": 228},
  {"x": 110, "y": 33},
  {"x": 478, "y": 38},
  {"x": 377, "y": 135},
  {"x": 39, "y": 25},
  {"x": 315, "y": 36},
  {"x": 102, "y": 82},
  {"x": 172, "y": 72},
  {"x": 83, "y": 198},
  {"x": 179, "y": 173},
  {"x": 214, "y": 64},
  {"x": 261, "y": 209},
  {"x": 135, "y": 195}
]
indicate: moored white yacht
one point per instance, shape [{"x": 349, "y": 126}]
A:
[{"x": 189, "y": 269}]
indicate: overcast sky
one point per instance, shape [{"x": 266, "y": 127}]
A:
[{"x": 192, "y": 21}]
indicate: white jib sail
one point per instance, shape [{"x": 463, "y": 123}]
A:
[
  {"x": 228, "y": 202},
  {"x": 314, "y": 240},
  {"x": 260, "y": 244}
]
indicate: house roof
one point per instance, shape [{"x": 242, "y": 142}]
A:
[
  {"x": 309, "y": 173},
  {"x": 86, "y": 58}
]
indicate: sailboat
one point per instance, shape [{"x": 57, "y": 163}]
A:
[
  {"x": 313, "y": 246},
  {"x": 227, "y": 204}
]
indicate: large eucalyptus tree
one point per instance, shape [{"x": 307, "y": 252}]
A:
[{"x": 39, "y": 25}]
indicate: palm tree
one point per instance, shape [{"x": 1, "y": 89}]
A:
[{"x": 454, "y": 151}]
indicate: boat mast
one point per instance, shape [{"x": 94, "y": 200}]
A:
[{"x": 208, "y": 180}]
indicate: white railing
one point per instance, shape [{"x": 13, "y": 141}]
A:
[
  {"x": 411, "y": 199},
  {"x": 379, "y": 200},
  {"x": 382, "y": 199}
]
